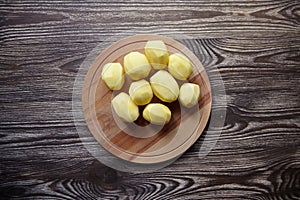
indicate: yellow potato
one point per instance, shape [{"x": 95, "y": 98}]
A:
[
  {"x": 157, "y": 113},
  {"x": 113, "y": 76},
  {"x": 164, "y": 86},
  {"x": 136, "y": 65},
  {"x": 125, "y": 107},
  {"x": 157, "y": 54},
  {"x": 180, "y": 66},
  {"x": 189, "y": 94},
  {"x": 141, "y": 92}
]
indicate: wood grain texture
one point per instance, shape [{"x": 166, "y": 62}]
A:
[{"x": 254, "y": 44}]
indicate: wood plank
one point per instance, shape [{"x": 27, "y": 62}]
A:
[
  {"x": 254, "y": 44},
  {"x": 84, "y": 21}
]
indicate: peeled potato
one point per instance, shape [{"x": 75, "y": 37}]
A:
[
  {"x": 136, "y": 65},
  {"x": 157, "y": 54},
  {"x": 157, "y": 113},
  {"x": 164, "y": 86},
  {"x": 125, "y": 107},
  {"x": 141, "y": 92},
  {"x": 180, "y": 66},
  {"x": 113, "y": 76},
  {"x": 189, "y": 94}
]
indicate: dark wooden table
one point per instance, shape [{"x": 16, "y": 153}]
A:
[{"x": 254, "y": 44}]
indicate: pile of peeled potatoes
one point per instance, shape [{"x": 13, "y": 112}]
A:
[{"x": 162, "y": 83}]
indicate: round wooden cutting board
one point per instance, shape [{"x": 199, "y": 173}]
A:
[{"x": 141, "y": 142}]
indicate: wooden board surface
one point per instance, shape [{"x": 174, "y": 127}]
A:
[
  {"x": 126, "y": 140},
  {"x": 255, "y": 45}
]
